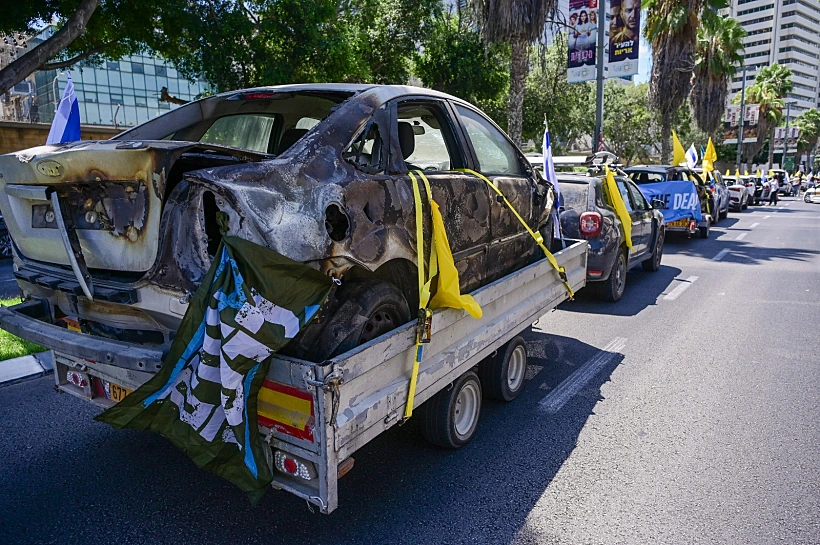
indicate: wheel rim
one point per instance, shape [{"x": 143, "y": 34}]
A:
[
  {"x": 659, "y": 250},
  {"x": 516, "y": 368},
  {"x": 619, "y": 274},
  {"x": 5, "y": 246},
  {"x": 385, "y": 318},
  {"x": 466, "y": 409}
]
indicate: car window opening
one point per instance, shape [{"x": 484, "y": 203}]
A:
[{"x": 212, "y": 232}]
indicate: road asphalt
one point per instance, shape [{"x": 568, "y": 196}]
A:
[{"x": 687, "y": 413}]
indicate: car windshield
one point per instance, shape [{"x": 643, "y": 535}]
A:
[
  {"x": 262, "y": 121},
  {"x": 576, "y": 194}
]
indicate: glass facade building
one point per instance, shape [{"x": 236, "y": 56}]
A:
[{"x": 120, "y": 93}]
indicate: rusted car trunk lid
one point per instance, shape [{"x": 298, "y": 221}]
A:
[{"x": 112, "y": 193}]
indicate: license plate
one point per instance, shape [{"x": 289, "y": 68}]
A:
[
  {"x": 116, "y": 392},
  {"x": 679, "y": 223}
]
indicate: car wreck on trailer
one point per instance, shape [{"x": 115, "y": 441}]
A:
[
  {"x": 111, "y": 239},
  {"x": 114, "y": 236}
]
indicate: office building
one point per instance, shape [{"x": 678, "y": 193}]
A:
[{"x": 782, "y": 32}]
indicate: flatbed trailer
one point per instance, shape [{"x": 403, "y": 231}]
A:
[{"x": 315, "y": 416}]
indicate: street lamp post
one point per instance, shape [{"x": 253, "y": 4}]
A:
[{"x": 742, "y": 118}]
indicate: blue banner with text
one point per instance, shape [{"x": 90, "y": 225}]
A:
[{"x": 680, "y": 197}]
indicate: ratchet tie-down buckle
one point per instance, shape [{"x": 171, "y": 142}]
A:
[{"x": 424, "y": 326}]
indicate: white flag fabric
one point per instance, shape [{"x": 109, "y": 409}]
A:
[
  {"x": 66, "y": 124},
  {"x": 549, "y": 174},
  {"x": 692, "y": 156}
]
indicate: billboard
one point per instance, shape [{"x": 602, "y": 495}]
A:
[
  {"x": 779, "y": 135},
  {"x": 731, "y": 124},
  {"x": 582, "y": 38},
  {"x": 624, "y": 37}
]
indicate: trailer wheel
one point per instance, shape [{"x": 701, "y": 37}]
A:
[
  {"x": 451, "y": 416},
  {"x": 502, "y": 375}
]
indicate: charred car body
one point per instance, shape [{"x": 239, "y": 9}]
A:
[{"x": 111, "y": 238}]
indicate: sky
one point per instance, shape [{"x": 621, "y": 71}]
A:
[{"x": 645, "y": 58}]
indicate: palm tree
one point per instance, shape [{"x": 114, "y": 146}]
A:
[
  {"x": 718, "y": 52},
  {"x": 771, "y": 86},
  {"x": 671, "y": 28},
  {"x": 809, "y": 123},
  {"x": 519, "y": 23}
]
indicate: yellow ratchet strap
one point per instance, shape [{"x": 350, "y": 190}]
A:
[
  {"x": 536, "y": 236},
  {"x": 425, "y": 316}
]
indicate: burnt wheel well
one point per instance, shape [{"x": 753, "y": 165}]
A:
[{"x": 402, "y": 273}]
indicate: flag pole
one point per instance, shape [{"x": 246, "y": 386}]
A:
[{"x": 742, "y": 118}]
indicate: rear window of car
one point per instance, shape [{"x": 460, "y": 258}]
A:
[
  {"x": 576, "y": 195},
  {"x": 247, "y": 131},
  {"x": 641, "y": 177}
]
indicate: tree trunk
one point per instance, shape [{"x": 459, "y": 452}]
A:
[
  {"x": 23, "y": 67},
  {"x": 666, "y": 136},
  {"x": 519, "y": 69},
  {"x": 771, "y": 148}
]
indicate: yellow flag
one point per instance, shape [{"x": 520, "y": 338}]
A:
[
  {"x": 745, "y": 172},
  {"x": 771, "y": 174},
  {"x": 448, "y": 294},
  {"x": 709, "y": 157},
  {"x": 757, "y": 173},
  {"x": 737, "y": 173},
  {"x": 678, "y": 155},
  {"x": 728, "y": 173},
  {"x": 620, "y": 208}
]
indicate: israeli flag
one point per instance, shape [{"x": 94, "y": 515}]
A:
[
  {"x": 549, "y": 174},
  {"x": 692, "y": 156},
  {"x": 66, "y": 124}
]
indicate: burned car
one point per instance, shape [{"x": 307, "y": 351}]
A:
[{"x": 112, "y": 237}]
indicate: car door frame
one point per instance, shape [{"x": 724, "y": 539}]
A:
[
  {"x": 473, "y": 258},
  {"x": 530, "y": 177}
]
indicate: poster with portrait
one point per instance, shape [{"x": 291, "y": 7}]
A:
[
  {"x": 582, "y": 37},
  {"x": 731, "y": 124},
  {"x": 624, "y": 37},
  {"x": 780, "y": 134}
]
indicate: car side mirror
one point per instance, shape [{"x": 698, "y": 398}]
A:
[{"x": 658, "y": 204}]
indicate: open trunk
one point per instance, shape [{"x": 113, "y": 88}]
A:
[{"x": 108, "y": 204}]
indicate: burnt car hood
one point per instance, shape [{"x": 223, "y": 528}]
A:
[{"x": 114, "y": 190}]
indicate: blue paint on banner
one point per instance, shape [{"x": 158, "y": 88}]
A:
[{"x": 681, "y": 198}]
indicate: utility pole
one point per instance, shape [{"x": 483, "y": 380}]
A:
[
  {"x": 786, "y": 136},
  {"x": 599, "y": 65},
  {"x": 742, "y": 118}
]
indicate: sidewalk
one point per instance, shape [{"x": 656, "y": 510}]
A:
[{"x": 31, "y": 366}]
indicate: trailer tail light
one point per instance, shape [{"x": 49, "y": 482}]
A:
[
  {"x": 286, "y": 409},
  {"x": 692, "y": 225},
  {"x": 294, "y": 466},
  {"x": 76, "y": 378},
  {"x": 590, "y": 223}
]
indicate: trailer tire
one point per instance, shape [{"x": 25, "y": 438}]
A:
[
  {"x": 502, "y": 375},
  {"x": 451, "y": 416}
]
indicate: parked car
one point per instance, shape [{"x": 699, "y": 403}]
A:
[
  {"x": 651, "y": 174},
  {"x": 316, "y": 172},
  {"x": 720, "y": 193},
  {"x": 5, "y": 240},
  {"x": 739, "y": 194},
  {"x": 588, "y": 214},
  {"x": 812, "y": 195}
]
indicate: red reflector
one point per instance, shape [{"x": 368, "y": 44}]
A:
[
  {"x": 692, "y": 225},
  {"x": 259, "y": 95},
  {"x": 593, "y": 272},
  {"x": 290, "y": 465}
]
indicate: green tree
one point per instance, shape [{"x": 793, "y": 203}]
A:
[
  {"x": 771, "y": 86},
  {"x": 671, "y": 28},
  {"x": 628, "y": 121},
  {"x": 453, "y": 60},
  {"x": 809, "y": 123},
  {"x": 519, "y": 23},
  {"x": 718, "y": 51}
]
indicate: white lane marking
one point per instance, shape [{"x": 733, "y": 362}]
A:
[
  {"x": 721, "y": 254},
  {"x": 741, "y": 236},
  {"x": 556, "y": 399},
  {"x": 766, "y": 217},
  {"x": 675, "y": 293},
  {"x": 752, "y": 226}
]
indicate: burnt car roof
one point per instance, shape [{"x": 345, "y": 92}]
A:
[{"x": 384, "y": 92}]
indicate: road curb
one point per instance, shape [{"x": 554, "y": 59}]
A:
[{"x": 26, "y": 367}]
